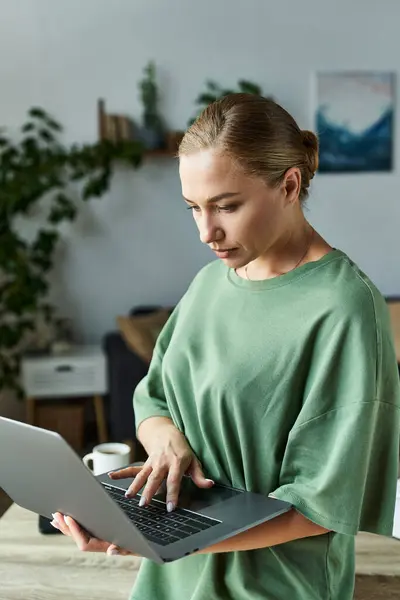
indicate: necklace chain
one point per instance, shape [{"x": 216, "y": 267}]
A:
[{"x": 297, "y": 264}]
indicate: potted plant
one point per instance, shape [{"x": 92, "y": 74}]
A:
[
  {"x": 36, "y": 172},
  {"x": 214, "y": 91},
  {"x": 152, "y": 132}
]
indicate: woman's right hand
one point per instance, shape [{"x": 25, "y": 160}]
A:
[{"x": 169, "y": 459}]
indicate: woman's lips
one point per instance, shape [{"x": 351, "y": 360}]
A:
[{"x": 225, "y": 253}]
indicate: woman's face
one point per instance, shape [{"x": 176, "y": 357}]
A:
[{"x": 238, "y": 217}]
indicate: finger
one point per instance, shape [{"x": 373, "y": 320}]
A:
[
  {"x": 55, "y": 525},
  {"x": 196, "y": 473},
  {"x": 114, "y": 550},
  {"x": 174, "y": 480},
  {"x": 54, "y": 522},
  {"x": 139, "y": 482},
  {"x": 79, "y": 536},
  {"x": 84, "y": 541},
  {"x": 126, "y": 472},
  {"x": 153, "y": 484},
  {"x": 59, "y": 522}
]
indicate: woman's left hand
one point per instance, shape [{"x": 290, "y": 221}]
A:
[{"x": 83, "y": 540}]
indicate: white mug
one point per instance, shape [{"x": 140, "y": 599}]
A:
[{"x": 107, "y": 457}]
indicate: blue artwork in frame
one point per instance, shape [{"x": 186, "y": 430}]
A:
[{"x": 355, "y": 121}]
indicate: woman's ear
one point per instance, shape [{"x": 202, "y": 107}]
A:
[{"x": 292, "y": 184}]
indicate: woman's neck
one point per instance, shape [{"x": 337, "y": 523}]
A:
[{"x": 294, "y": 248}]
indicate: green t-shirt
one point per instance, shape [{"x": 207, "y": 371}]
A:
[{"x": 287, "y": 386}]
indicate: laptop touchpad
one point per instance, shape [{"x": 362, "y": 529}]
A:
[{"x": 197, "y": 499}]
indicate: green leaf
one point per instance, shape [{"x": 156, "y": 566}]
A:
[
  {"x": 37, "y": 113},
  {"x": 43, "y": 261},
  {"x": 212, "y": 86},
  {"x": 31, "y": 147},
  {"x": 9, "y": 155},
  {"x": 97, "y": 186},
  {"x": 63, "y": 209},
  {"x": 28, "y": 127},
  {"x": 249, "y": 88},
  {"x": 46, "y": 135},
  {"x": 45, "y": 242},
  {"x": 206, "y": 98},
  {"x": 54, "y": 125},
  {"x": 226, "y": 92},
  {"x": 9, "y": 336}
]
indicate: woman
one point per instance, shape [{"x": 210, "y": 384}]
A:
[{"x": 276, "y": 373}]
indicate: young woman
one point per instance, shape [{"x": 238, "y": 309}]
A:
[{"x": 276, "y": 373}]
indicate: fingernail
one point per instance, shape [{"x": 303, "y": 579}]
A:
[
  {"x": 127, "y": 494},
  {"x": 210, "y": 481},
  {"x": 170, "y": 506},
  {"x": 110, "y": 473},
  {"x": 114, "y": 552},
  {"x": 55, "y": 524},
  {"x": 142, "y": 501},
  {"x": 54, "y": 517}
]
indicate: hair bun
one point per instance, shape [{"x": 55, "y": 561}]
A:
[{"x": 310, "y": 142}]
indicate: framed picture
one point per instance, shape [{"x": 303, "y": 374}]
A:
[{"x": 355, "y": 121}]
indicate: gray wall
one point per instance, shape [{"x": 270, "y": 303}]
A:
[{"x": 139, "y": 244}]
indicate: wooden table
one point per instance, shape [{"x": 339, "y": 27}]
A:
[{"x": 50, "y": 567}]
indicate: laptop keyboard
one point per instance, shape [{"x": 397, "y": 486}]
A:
[{"x": 155, "y": 523}]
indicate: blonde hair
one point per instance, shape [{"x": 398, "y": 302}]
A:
[{"x": 260, "y": 135}]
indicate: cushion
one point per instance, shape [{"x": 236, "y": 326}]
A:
[{"x": 140, "y": 332}]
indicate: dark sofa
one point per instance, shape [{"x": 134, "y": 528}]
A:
[{"x": 125, "y": 370}]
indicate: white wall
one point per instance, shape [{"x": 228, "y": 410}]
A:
[{"x": 138, "y": 244}]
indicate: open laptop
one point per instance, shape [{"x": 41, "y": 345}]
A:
[{"x": 41, "y": 472}]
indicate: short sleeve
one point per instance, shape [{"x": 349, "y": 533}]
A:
[{"x": 340, "y": 463}]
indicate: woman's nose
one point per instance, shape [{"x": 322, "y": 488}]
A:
[{"x": 209, "y": 232}]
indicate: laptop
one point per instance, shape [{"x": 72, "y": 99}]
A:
[{"x": 41, "y": 472}]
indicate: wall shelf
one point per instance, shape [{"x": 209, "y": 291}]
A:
[{"x": 117, "y": 128}]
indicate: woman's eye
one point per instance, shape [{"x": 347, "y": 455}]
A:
[{"x": 230, "y": 208}]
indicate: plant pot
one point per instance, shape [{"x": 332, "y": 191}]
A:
[
  {"x": 173, "y": 139},
  {"x": 152, "y": 139}
]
